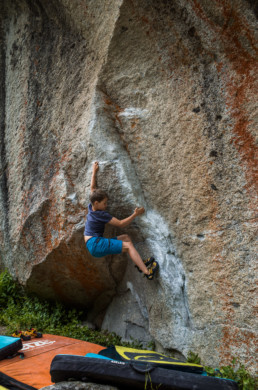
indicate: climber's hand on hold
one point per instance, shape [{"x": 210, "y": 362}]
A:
[
  {"x": 139, "y": 211},
  {"x": 95, "y": 167}
]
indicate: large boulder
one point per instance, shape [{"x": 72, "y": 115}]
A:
[{"x": 162, "y": 94}]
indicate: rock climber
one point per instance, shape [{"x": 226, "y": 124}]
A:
[{"x": 97, "y": 217}]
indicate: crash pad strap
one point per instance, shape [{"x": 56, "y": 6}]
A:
[{"x": 13, "y": 384}]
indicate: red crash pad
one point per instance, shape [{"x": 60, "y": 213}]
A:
[{"x": 34, "y": 368}]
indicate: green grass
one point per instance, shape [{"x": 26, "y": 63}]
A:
[{"x": 21, "y": 311}]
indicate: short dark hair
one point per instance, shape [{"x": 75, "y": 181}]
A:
[{"x": 98, "y": 195}]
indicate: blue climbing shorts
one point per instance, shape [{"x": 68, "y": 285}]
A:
[{"x": 100, "y": 246}]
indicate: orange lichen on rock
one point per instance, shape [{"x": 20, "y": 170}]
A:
[
  {"x": 240, "y": 80},
  {"x": 236, "y": 342},
  {"x": 243, "y": 139}
]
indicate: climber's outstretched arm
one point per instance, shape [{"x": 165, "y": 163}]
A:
[
  {"x": 93, "y": 183},
  {"x": 125, "y": 222}
]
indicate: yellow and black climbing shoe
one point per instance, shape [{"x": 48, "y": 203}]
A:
[
  {"x": 24, "y": 335},
  {"x": 34, "y": 333},
  {"x": 146, "y": 262},
  {"x": 27, "y": 334},
  {"x": 152, "y": 269},
  {"x": 149, "y": 261}
]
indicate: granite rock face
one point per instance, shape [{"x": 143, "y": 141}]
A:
[{"x": 163, "y": 94}]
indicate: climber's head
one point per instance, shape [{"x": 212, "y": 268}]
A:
[{"x": 99, "y": 199}]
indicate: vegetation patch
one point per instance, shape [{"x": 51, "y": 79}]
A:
[
  {"x": 236, "y": 371},
  {"x": 21, "y": 311}
]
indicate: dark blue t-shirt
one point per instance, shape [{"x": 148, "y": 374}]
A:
[{"x": 95, "y": 223}]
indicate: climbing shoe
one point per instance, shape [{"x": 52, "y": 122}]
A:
[
  {"x": 147, "y": 262},
  {"x": 26, "y": 335},
  {"x": 33, "y": 333},
  {"x": 22, "y": 334},
  {"x": 153, "y": 269}
]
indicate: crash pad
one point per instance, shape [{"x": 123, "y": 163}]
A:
[
  {"x": 9, "y": 346},
  {"x": 34, "y": 368},
  {"x": 131, "y": 375}
]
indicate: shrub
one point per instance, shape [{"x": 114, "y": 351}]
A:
[{"x": 8, "y": 289}]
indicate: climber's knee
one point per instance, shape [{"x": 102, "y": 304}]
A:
[
  {"x": 127, "y": 245},
  {"x": 124, "y": 238}
]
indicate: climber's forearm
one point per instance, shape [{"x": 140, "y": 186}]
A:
[
  {"x": 126, "y": 221},
  {"x": 93, "y": 183}
]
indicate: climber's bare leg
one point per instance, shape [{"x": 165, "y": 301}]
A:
[{"x": 130, "y": 249}]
